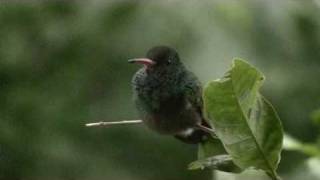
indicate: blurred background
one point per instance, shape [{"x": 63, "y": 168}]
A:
[{"x": 64, "y": 64}]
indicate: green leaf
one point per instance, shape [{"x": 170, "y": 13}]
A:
[
  {"x": 221, "y": 162},
  {"x": 211, "y": 154},
  {"x": 211, "y": 147},
  {"x": 245, "y": 121}
]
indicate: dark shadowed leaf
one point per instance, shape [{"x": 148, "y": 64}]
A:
[
  {"x": 212, "y": 154},
  {"x": 245, "y": 121},
  {"x": 221, "y": 162}
]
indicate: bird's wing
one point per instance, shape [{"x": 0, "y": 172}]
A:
[
  {"x": 193, "y": 94},
  {"x": 193, "y": 91}
]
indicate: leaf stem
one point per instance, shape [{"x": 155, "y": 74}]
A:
[
  {"x": 273, "y": 175},
  {"x": 208, "y": 130}
]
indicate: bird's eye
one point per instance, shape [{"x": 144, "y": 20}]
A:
[{"x": 169, "y": 61}]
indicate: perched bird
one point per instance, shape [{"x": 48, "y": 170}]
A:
[{"x": 169, "y": 97}]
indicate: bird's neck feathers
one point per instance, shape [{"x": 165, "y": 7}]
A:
[{"x": 165, "y": 75}]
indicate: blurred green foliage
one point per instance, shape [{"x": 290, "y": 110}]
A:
[
  {"x": 63, "y": 64},
  {"x": 315, "y": 116}
]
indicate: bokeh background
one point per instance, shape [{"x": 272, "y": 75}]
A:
[{"x": 64, "y": 64}]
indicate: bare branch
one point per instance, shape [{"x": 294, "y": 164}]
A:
[{"x": 114, "y": 123}]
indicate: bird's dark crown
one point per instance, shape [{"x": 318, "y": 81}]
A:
[{"x": 163, "y": 55}]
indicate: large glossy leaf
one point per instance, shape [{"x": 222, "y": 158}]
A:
[{"x": 245, "y": 121}]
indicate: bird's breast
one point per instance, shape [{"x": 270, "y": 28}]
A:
[{"x": 159, "y": 94}]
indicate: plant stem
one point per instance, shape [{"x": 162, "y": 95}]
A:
[
  {"x": 208, "y": 130},
  {"x": 273, "y": 175}
]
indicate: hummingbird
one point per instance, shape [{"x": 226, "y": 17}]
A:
[{"x": 168, "y": 96}]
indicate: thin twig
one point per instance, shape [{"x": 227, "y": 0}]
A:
[
  {"x": 104, "y": 123},
  {"x": 113, "y": 123},
  {"x": 208, "y": 130}
]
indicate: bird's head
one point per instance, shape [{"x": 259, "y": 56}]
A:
[{"x": 158, "y": 58}]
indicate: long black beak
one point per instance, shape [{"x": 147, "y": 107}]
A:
[{"x": 144, "y": 61}]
